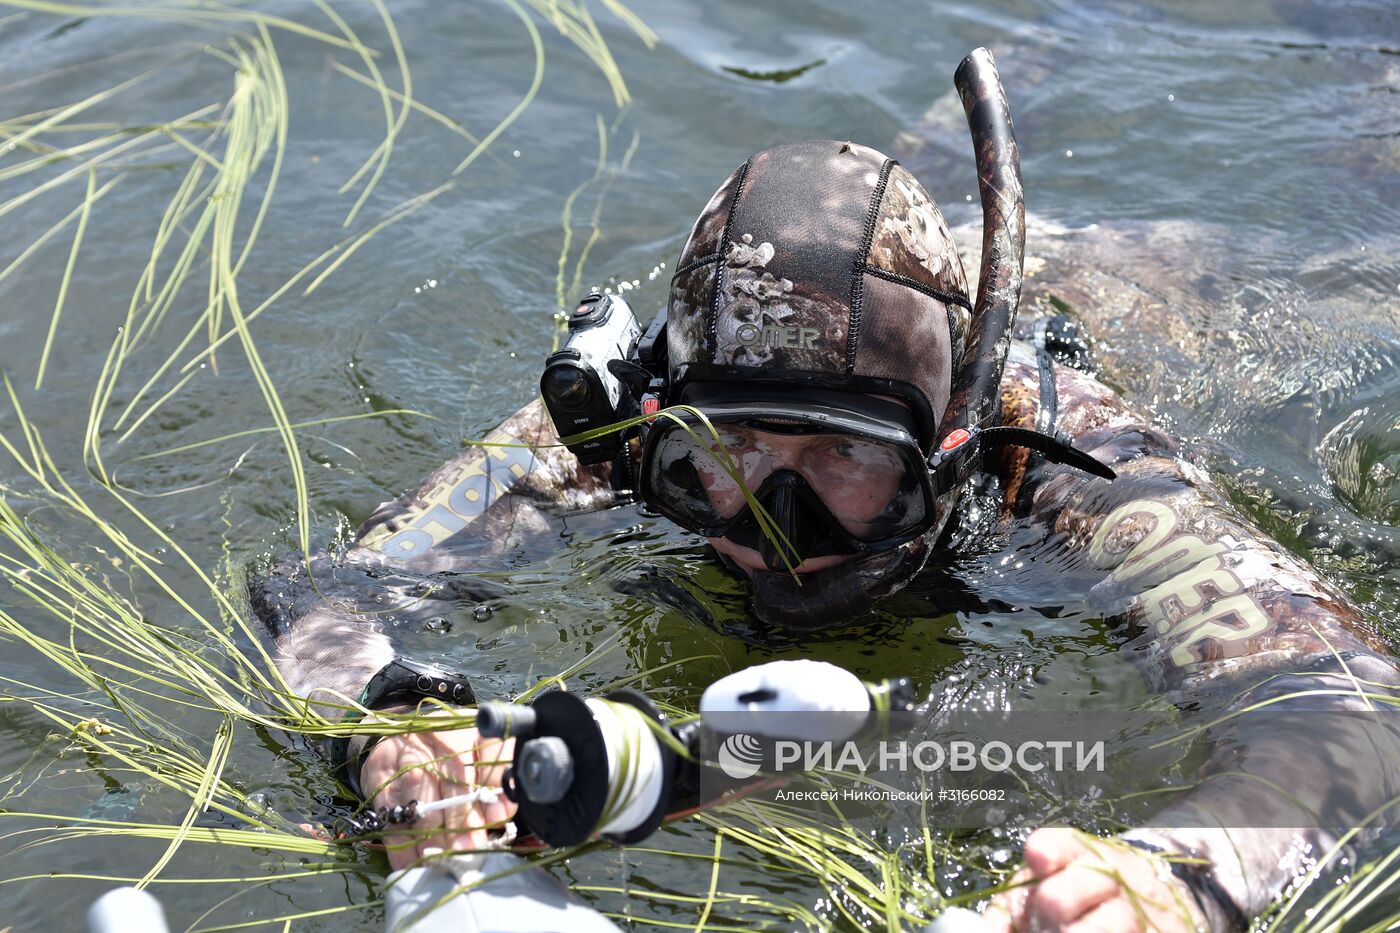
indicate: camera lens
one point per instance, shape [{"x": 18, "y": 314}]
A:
[{"x": 566, "y": 387}]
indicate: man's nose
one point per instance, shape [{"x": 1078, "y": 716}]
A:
[{"x": 773, "y": 458}]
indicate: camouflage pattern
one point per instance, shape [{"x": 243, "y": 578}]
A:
[
  {"x": 417, "y": 551},
  {"x": 1216, "y": 616},
  {"x": 912, "y": 241},
  {"x": 787, "y": 282},
  {"x": 975, "y": 390},
  {"x": 518, "y": 461},
  {"x": 754, "y": 302},
  {"x": 709, "y": 229},
  {"x": 692, "y": 285}
]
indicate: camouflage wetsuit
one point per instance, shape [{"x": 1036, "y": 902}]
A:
[{"x": 1210, "y": 611}]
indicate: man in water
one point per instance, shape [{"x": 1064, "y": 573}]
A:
[{"x": 821, "y": 319}]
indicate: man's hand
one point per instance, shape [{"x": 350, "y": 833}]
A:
[
  {"x": 1082, "y": 884},
  {"x": 430, "y": 766}
]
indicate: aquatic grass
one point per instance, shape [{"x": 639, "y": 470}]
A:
[
  {"x": 566, "y": 221},
  {"x": 58, "y": 116},
  {"x": 857, "y": 873},
  {"x": 251, "y": 432},
  {"x": 186, "y": 197},
  {"x": 89, "y": 607},
  {"x": 123, "y": 148},
  {"x": 1364, "y": 895},
  {"x": 595, "y": 230},
  {"x": 342, "y": 251},
  {"x": 595, "y": 220},
  {"x": 573, "y": 20},
  {"x": 535, "y": 81},
  {"x": 208, "y": 779},
  {"x": 57, "y": 228},
  {"x": 85, "y": 212},
  {"x": 401, "y": 212},
  {"x": 393, "y": 123},
  {"x": 432, "y": 114},
  {"x": 205, "y": 14}
]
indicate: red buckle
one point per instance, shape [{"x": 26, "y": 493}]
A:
[
  {"x": 650, "y": 406},
  {"x": 955, "y": 440}
]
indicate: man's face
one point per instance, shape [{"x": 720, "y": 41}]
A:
[{"x": 855, "y": 478}]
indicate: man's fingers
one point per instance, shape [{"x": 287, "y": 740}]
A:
[
  {"x": 379, "y": 766},
  {"x": 495, "y": 756},
  {"x": 405, "y": 780},
  {"x": 1049, "y": 850},
  {"x": 423, "y": 783},
  {"x": 1070, "y": 893},
  {"x": 434, "y": 766},
  {"x": 475, "y": 823},
  {"x": 414, "y": 780},
  {"x": 498, "y": 814},
  {"x": 1008, "y": 910},
  {"x": 401, "y": 851},
  {"x": 1115, "y": 916},
  {"x": 996, "y": 918}
]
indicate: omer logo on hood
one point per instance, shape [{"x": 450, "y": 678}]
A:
[
  {"x": 762, "y": 295},
  {"x": 776, "y": 335}
]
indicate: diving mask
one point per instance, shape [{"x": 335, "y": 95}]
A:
[{"x": 834, "y": 473}]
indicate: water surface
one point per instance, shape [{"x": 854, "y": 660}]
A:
[{"x": 1262, "y": 135}]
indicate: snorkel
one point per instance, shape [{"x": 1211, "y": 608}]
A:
[
  {"x": 977, "y": 380},
  {"x": 980, "y": 350},
  {"x": 970, "y": 422}
]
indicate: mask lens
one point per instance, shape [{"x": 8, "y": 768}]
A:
[{"x": 868, "y": 485}]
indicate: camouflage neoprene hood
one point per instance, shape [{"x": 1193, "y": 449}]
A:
[{"x": 822, "y": 263}]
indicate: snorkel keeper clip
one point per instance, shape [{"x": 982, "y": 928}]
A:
[{"x": 958, "y": 456}]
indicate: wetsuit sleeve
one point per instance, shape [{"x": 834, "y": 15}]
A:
[
  {"x": 488, "y": 501},
  {"x": 484, "y": 500},
  {"x": 1220, "y": 619}
]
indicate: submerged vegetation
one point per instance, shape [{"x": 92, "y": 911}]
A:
[{"x": 136, "y": 654}]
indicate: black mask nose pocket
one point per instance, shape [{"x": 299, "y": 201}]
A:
[
  {"x": 802, "y": 525},
  {"x": 782, "y": 505}
]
